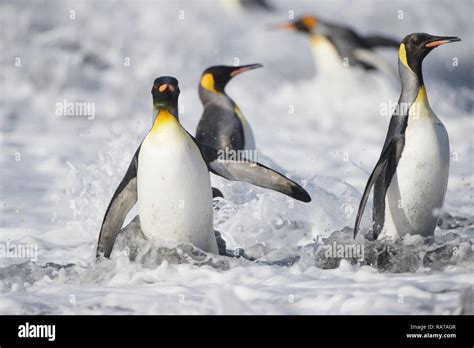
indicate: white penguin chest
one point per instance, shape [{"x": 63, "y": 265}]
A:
[
  {"x": 174, "y": 189},
  {"x": 419, "y": 185},
  {"x": 326, "y": 57}
]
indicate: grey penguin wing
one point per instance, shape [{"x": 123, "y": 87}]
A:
[
  {"x": 346, "y": 41},
  {"x": 123, "y": 200},
  {"x": 220, "y": 128},
  {"x": 387, "y": 153},
  {"x": 356, "y": 49},
  {"x": 252, "y": 173}
]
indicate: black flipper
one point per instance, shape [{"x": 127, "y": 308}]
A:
[
  {"x": 122, "y": 201},
  {"x": 381, "y": 41},
  {"x": 251, "y": 172},
  {"x": 386, "y": 154}
]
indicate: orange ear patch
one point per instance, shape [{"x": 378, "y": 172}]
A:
[
  {"x": 163, "y": 88},
  {"x": 309, "y": 22}
]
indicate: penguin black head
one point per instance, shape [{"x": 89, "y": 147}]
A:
[
  {"x": 304, "y": 24},
  {"x": 414, "y": 48},
  {"x": 165, "y": 92},
  {"x": 215, "y": 78}
]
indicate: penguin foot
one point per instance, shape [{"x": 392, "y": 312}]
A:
[{"x": 223, "y": 251}]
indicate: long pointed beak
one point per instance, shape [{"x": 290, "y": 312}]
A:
[
  {"x": 441, "y": 40},
  {"x": 243, "y": 68},
  {"x": 283, "y": 26}
]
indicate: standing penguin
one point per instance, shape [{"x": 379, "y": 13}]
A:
[
  {"x": 222, "y": 124},
  {"x": 169, "y": 177},
  {"x": 411, "y": 175},
  {"x": 335, "y": 46}
]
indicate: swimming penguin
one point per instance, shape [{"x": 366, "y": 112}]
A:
[
  {"x": 336, "y": 47},
  {"x": 222, "y": 124},
  {"x": 169, "y": 177},
  {"x": 411, "y": 175}
]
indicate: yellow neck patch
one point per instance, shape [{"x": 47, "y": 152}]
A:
[
  {"x": 207, "y": 82},
  {"x": 402, "y": 55},
  {"x": 421, "y": 98},
  {"x": 421, "y": 107},
  {"x": 162, "y": 118},
  {"x": 316, "y": 39}
]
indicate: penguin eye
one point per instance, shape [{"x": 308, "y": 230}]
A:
[{"x": 163, "y": 88}]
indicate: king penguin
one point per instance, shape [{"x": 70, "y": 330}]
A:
[
  {"x": 222, "y": 124},
  {"x": 169, "y": 177},
  {"x": 335, "y": 47},
  {"x": 411, "y": 175}
]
